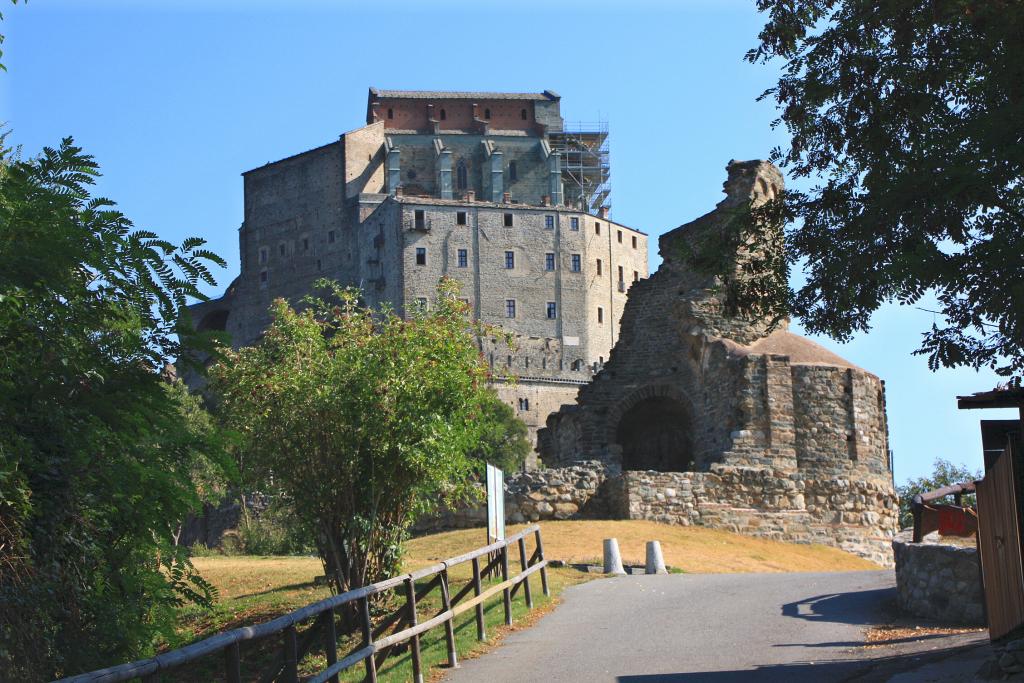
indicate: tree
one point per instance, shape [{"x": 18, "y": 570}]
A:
[
  {"x": 944, "y": 473},
  {"x": 363, "y": 421},
  {"x": 503, "y": 442},
  {"x": 97, "y": 452},
  {"x": 907, "y": 117}
]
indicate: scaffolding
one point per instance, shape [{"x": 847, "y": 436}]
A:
[{"x": 585, "y": 168}]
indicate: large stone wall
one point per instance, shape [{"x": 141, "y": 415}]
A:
[
  {"x": 939, "y": 581},
  {"x": 855, "y": 516}
]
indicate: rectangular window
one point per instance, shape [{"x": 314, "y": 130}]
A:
[
  {"x": 305, "y": 244},
  {"x": 576, "y": 265},
  {"x": 264, "y": 255},
  {"x": 319, "y": 265},
  {"x": 263, "y": 277},
  {"x": 421, "y": 220},
  {"x": 549, "y": 222},
  {"x": 549, "y": 261},
  {"x": 281, "y": 248},
  {"x": 463, "y": 258},
  {"x": 574, "y": 223},
  {"x": 636, "y": 276},
  {"x": 599, "y": 266},
  {"x": 600, "y": 315},
  {"x": 524, "y": 404},
  {"x": 510, "y": 308},
  {"x": 510, "y": 259},
  {"x": 620, "y": 273},
  {"x": 619, "y": 237},
  {"x": 597, "y": 228},
  {"x": 552, "y": 310},
  {"x": 421, "y": 256},
  {"x": 634, "y": 241},
  {"x": 508, "y": 220},
  {"x": 460, "y": 218},
  {"x": 330, "y": 237}
]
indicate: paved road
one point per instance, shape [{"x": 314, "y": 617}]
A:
[{"x": 710, "y": 627}]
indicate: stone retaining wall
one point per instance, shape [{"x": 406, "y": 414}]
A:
[
  {"x": 855, "y": 516},
  {"x": 938, "y": 581}
]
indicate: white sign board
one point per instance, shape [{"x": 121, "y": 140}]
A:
[{"x": 495, "y": 504}]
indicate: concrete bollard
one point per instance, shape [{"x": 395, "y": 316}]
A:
[
  {"x": 655, "y": 561},
  {"x": 612, "y": 558}
]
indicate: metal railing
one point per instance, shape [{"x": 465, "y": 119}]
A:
[{"x": 374, "y": 647}]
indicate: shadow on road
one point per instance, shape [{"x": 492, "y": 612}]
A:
[
  {"x": 865, "y": 670},
  {"x": 860, "y": 607}
]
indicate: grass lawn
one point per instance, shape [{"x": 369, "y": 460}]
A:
[{"x": 256, "y": 589}]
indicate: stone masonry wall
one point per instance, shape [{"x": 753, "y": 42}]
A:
[
  {"x": 938, "y": 581},
  {"x": 855, "y": 516}
]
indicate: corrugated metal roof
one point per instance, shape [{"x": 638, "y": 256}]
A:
[{"x": 455, "y": 95}]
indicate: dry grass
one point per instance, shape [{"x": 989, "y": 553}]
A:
[{"x": 691, "y": 549}]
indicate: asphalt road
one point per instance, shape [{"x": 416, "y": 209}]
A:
[{"x": 700, "y": 627}]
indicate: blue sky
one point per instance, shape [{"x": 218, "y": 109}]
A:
[{"x": 176, "y": 99}]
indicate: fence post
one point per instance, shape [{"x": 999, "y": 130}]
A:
[
  {"x": 481, "y": 631},
  {"x": 543, "y": 569},
  {"x": 526, "y": 579},
  {"x": 331, "y": 641},
  {"x": 232, "y": 664},
  {"x": 371, "y": 663},
  {"x": 507, "y": 593},
  {"x": 291, "y": 656},
  {"x": 410, "y": 601},
  {"x": 449, "y": 629}
]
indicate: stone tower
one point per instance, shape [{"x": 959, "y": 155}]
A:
[{"x": 724, "y": 421}]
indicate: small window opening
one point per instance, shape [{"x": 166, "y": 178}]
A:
[
  {"x": 264, "y": 255},
  {"x": 634, "y": 241},
  {"x": 421, "y": 256},
  {"x": 319, "y": 265},
  {"x": 263, "y": 277},
  {"x": 636, "y": 276},
  {"x": 391, "y": 113},
  {"x": 597, "y": 228},
  {"x": 574, "y": 223},
  {"x": 305, "y": 244},
  {"x": 460, "y": 218},
  {"x": 444, "y": 115},
  {"x": 513, "y": 171},
  {"x": 420, "y": 218},
  {"x": 510, "y": 259},
  {"x": 599, "y": 268},
  {"x": 549, "y": 222},
  {"x": 508, "y": 220},
  {"x": 576, "y": 263},
  {"x": 487, "y": 114},
  {"x": 600, "y": 315},
  {"x": 620, "y": 274},
  {"x": 330, "y": 237},
  {"x": 620, "y": 237},
  {"x": 552, "y": 310},
  {"x": 463, "y": 258},
  {"x": 549, "y": 261},
  {"x": 281, "y": 249},
  {"x": 522, "y": 114},
  {"x": 460, "y": 175},
  {"x": 524, "y": 404},
  {"x": 510, "y": 308}
]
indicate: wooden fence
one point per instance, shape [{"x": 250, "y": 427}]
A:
[
  {"x": 999, "y": 543},
  {"x": 403, "y": 623}
]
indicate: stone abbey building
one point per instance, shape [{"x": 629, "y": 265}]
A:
[{"x": 491, "y": 189}]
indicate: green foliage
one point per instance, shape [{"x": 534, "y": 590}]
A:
[
  {"x": 906, "y": 117},
  {"x": 362, "y": 420},
  {"x": 97, "y": 450},
  {"x": 2, "y": 67},
  {"x": 944, "y": 473},
  {"x": 276, "y": 530},
  {"x": 503, "y": 441}
]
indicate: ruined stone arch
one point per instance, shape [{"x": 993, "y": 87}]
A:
[{"x": 653, "y": 426}]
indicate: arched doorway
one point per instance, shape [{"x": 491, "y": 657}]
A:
[{"x": 655, "y": 435}]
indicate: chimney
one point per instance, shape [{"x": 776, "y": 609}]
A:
[
  {"x": 506, "y": 197},
  {"x": 470, "y": 196},
  {"x": 545, "y": 200},
  {"x": 604, "y": 212},
  {"x": 398, "y": 191}
]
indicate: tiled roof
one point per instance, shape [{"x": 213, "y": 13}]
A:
[{"x": 451, "y": 95}]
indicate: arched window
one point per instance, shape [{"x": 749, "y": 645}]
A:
[
  {"x": 391, "y": 113},
  {"x": 522, "y": 114},
  {"x": 461, "y": 180},
  {"x": 444, "y": 115},
  {"x": 487, "y": 114},
  {"x": 513, "y": 172}
]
